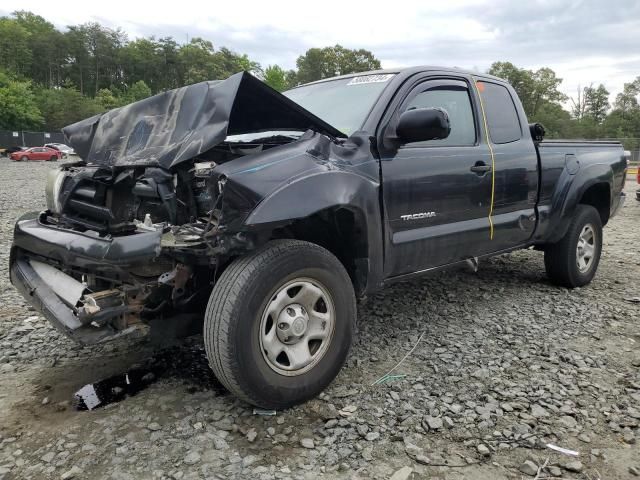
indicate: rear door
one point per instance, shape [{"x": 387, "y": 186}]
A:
[
  {"x": 515, "y": 174},
  {"x": 38, "y": 153},
  {"x": 436, "y": 193}
]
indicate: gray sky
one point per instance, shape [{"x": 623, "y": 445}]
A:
[{"x": 584, "y": 41}]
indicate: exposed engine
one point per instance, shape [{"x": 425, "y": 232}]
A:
[{"x": 178, "y": 209}]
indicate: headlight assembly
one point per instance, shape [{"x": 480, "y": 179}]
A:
[{"x": 55, "y": 179}]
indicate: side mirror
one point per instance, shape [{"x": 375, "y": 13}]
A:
[{"x": 422, "y": 124}]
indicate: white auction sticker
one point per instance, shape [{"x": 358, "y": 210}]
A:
[{"x": 370, "y": 79}]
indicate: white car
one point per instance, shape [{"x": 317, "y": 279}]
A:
[{"x": 61, "y": 147}]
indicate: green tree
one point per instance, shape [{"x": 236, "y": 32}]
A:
[
  {"x": 18, "y": 108},
  {"x": 47, "y": 47},
  {"x": 15, "y": 54},
  {"x": 64, "y": 106},
  {"x": 596, "y": 103},
  {"x": 627, "y": 101},
  {"x": 318, "y": 63},
  {"x": 196, "y": 62},
  {"x": 137, "y": 91},
  {"x": 276, "y": 78},
  {"x": 108, "y": 99},
  {"x": 96, "y": 56},
  {"x": 534, "y": 89}
]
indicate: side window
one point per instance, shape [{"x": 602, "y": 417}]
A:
[
  {"x": 455, "y": 100},
  {"x": 502, "y": 117}
]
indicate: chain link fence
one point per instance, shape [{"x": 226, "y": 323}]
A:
[{"x": 13, "y": 138}]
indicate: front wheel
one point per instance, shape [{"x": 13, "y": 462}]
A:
[
  {"x": 24, "y": 158},
  {"x": 279, "y": 323},
  {"x": 573, "y": 261}
]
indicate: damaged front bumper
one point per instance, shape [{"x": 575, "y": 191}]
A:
[{"x": 41, "y": 252}]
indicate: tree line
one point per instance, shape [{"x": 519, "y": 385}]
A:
[
  {"x": 50, "y": 78},
  {"x": 590, "y": 113}
]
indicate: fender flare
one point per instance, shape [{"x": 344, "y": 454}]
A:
[
  {"x": 570, "y": 189},
  {"x": 338, "y": 188}
]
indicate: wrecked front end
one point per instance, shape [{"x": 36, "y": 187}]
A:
[
  {"x": 121, "y": 248},
  {"x": 135, "y": 234}
]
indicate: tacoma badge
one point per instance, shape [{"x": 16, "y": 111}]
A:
[{"x": 417, "y": 216}]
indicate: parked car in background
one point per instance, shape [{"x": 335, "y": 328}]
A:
[
  {"x": 36, "y": 153},
  {"x": 9, "y": 150},
  {"x": 61, "y": 147}
]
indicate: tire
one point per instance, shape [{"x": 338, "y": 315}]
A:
[
  {"x": 24, "y": 158},
  {"x": 53, "y": 158},
  {"x": 237, "y": 320},
  {"x": 561, "y": 260}
]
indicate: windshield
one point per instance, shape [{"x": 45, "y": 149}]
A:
[{"x": 343, "y": 104}]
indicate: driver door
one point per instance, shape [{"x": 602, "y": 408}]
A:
[{"x": 436, "y": 193}]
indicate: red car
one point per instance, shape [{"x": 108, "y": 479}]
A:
[{"x": 37, "y": 153}]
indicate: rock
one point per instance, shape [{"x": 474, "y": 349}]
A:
[
  {"x": 584, "y": 438},
  {"x": 481, "y": 373},
  {"x": 74, "y": 472},
  {"x": 348, "y": 411},
  {"x": 249, "y": 460},
  {"x": 434, "y": 423},
  {"x": 538, "y": 411},
  {"x": 47, "y": 457},
  {"x": 307, "y": 443},
  {"x": 529, "y": 468},
  {"x": 372, "y": 436},
  {"x": 412, "y": 450},
  {"x": 484, "y": 450},
  {"x": 154, "y": 426},
  {"x": 403, "y": 474},
  {"x": 554, "y": 471},
  {"x": 422, "y": 459},
  {"x": 251, "y": 435},
  {"x": 629, "y": 438},
  {"x": 506, "y": 407},
  {"x": 568, "y": 421},
  {"x": 634, "y": 471},
  {"x": 573, "y": 466},
  {"x": 192, "y": 458}
]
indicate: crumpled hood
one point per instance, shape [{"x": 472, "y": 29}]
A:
[{"x": 180, "y": 124}]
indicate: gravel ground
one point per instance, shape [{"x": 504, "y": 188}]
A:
[{"x": 504, "y": 364}]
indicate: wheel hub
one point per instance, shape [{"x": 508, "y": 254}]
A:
[
  {"x": 297, "y": 326},
  {"x": 292, "y": 324},
  {"x": 586, "y": 248}
]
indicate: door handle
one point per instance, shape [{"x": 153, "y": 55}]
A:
[{"x": 480, "y": 168}]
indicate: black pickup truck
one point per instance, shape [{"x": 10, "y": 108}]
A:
[{"x": 261, "y": 217}]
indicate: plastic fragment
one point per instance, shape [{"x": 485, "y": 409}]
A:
[
  {"x": 260, "y": 411},
  {"x": 566, "y": 451}
]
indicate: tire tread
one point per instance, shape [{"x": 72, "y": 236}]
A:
[
  {"x": 224, "y": 300},
  {"x": 558, "y": 257}
]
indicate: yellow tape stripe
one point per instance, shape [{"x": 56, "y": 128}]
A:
[{"x": 493, "y": 159}]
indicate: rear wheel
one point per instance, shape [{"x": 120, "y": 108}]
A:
[
  {"x": 573, "y": 261},
  {"x": 279, "y": 323},
  {"x": 53, "y": 158}
]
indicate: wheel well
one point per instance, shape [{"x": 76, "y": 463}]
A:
[
  {"x": 340, "y": 230},
  {"x": 598, "y": 196}
]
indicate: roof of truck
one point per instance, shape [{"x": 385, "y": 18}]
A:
[{"x": 408, "y": 71}]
